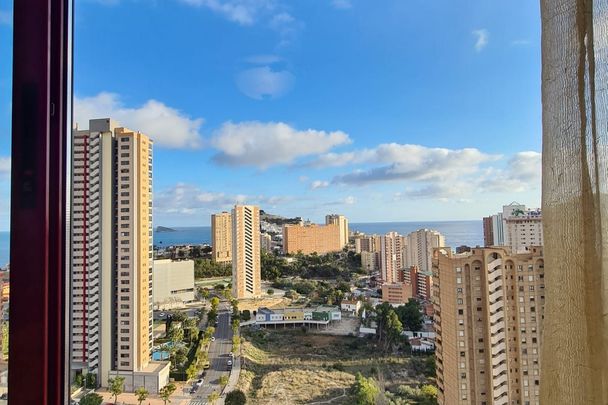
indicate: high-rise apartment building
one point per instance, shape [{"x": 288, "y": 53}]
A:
[
  {"x": 311, "y": 238},
  {"x": 422, "y": 283},
  {"x": 111, "y": 255},
  {"x": 488, "y": 231},
  {"x": 419, "y": 248},
  {"x": 365, "y": 243},
  {"x": 391, "y": 256},
  {"x": 515, "y": 227},
  {"x": 246, "y": 266},
  {"x": 489, "y": 307},
  {"x": 342, "y": 222},
  {"x": 221, "y": 237}
]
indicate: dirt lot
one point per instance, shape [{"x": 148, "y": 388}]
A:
[
  {"x": 296, "y": 367},
  {"x": 270, "y": 302}
]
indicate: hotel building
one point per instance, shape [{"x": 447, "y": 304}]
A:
[
  {"x": 488, "y": 321},
  {"x": 311, "y": 238}
]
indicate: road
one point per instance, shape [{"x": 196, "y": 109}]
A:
[{"x": 218, "y": 357}]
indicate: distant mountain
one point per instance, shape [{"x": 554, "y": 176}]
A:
[{"x": 164, "y": 229}]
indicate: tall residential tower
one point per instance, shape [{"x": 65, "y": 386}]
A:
[
  {"x": 111, "y": 255},
  {"x": 221, "y": 237},
  {"x": 489, "y": 306},
  {"x": 342, "y": 222},
  {"x": 246, "y": 270}
]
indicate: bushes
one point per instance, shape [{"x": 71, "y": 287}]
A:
[
  {"x": 365, "y": 390},
  {"x": 205, "y": 268},
  {"x": 236, "y": 397}
]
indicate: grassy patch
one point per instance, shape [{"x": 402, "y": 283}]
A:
[{"x": 289, "y": 366}]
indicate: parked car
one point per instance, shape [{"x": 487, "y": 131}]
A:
[
  {"x": 231, "y": 354},
  {"x": 229, "y": 363},
  {"x": 213, "y": 338}
]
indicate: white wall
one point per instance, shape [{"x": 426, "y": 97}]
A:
[{"x": 170, "y": 276}]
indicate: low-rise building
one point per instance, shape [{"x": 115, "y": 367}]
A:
[
  {"x": 173, "y": 283},
  {"x": 292, "y": 315},
  {"x": 396, "y": 293},
  {"x": 350, "y": 306}
]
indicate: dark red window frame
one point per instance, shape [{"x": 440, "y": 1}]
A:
[{"x": 38, "y": 361}]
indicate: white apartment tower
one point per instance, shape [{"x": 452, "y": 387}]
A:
[
  {"x": 419, "y": 249},
  {"x": 342, "y": 222},
  {"x": 391, "y": 256},
  {"x": 246, "y": 267},
  {"x": 111, "y": 250}
]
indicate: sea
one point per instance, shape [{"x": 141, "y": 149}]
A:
[{"x": 456, "y": 233}]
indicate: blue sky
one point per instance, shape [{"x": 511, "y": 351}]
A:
[{"x": 390, "y": 110}]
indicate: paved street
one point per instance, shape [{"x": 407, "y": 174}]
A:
[{"x": 218, "y": 357}]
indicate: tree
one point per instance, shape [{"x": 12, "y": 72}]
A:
[
  {"x": 428, "y": 395},
  {"x": 410, "y": 315},
  {"x": 270, "y": 291},
  {"x": 79, "y": 380},
  {"x": 223, "y": 381},
  {"x": 90, "y": 380},
  {"x": 214, "y": 396},
  {"x": 215, "y": 303},
  {"x": 246, "y": 315},
  {"x": 91, "y": 399},
  {"x": 236, "y": 397},
  {"x": 365, "y": 390},
  {"x": 116, "y": 386},
  {"x": 141, "y": 393},
  {"x": 166, "y": 391}
]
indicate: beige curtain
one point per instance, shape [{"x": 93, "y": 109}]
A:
[{"x": 574, "y": 362}]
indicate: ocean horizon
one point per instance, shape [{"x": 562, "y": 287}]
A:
[{"x": 456, "y": 233}]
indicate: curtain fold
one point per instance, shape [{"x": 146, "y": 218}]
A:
[{"x": 574, "y": 362}]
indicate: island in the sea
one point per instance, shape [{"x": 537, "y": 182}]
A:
[{"x": 164, "y": 229}]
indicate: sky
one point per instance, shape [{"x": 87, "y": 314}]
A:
[{"x": 391, "y": 110}]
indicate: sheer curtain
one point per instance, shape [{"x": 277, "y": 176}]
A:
[{"x": 574, "y": 362}]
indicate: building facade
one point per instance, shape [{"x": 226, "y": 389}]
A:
[
  {"x": 221, "y": 237},
  {"x": 422, "y": 283},
  {"x": 419, "y": 248},
  {"x": 488, "y": 232},
  {"x": 489, "y": 307},
  {"x": 311, "y": 238},
  {"x": 396, "y": 293},
  {"x": 173, "y": 283},
  {"x": 246, "y": 266},
  {"x": 516, "y": 227},
  {"x": 342, "y": 222},
  {"x": 111, "y": 250},
  {"x": 391, "y": 256}
]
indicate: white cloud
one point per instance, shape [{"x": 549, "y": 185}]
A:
[
  {"x": 6, "y": 18},
  {"x": 185, "y": 199},
  {"x": 319, "y": 184},
  {"x": 264, "y": 82},
  {"x": 243, "y": 12},
  {"x": 167, "y": 126},
  {"x": 341, "y": 4},
  {"x": 482, "y": 36},
  {"x": 5, "y": 166},
  {"x": 405, "y": 162},
  {"x": 523, "y": 173},
  {"x": 267, "y": 144}
]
